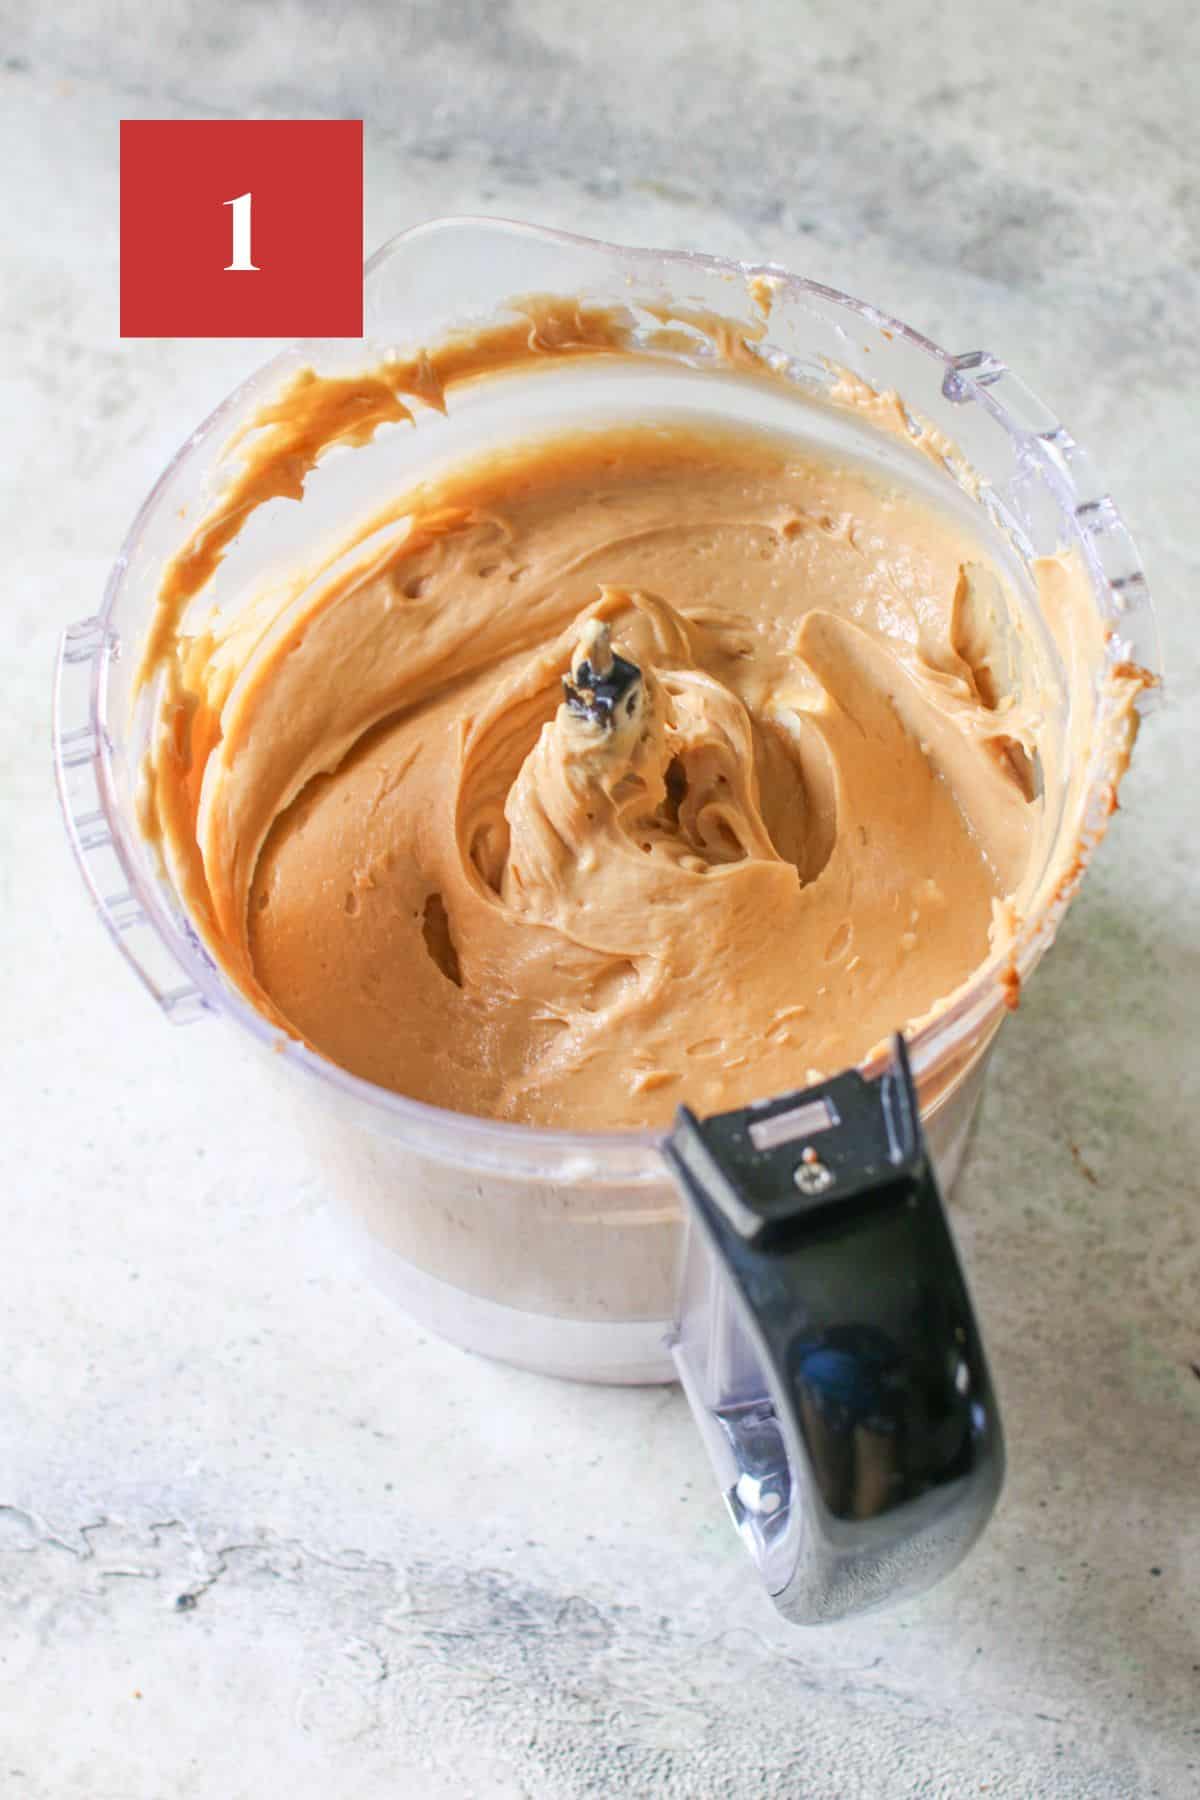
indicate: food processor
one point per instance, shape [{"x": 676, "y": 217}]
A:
[{"x": 790, "y": 1262}]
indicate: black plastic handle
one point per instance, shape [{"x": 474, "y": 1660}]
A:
[{"x": 829, "y": 1347}]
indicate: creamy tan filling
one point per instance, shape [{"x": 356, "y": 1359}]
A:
[{"x": 410, "y": 850}]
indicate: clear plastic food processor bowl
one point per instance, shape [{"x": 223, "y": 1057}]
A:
[{"x": 559, "y": 1250}]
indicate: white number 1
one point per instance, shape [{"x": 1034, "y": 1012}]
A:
[{"x": 241, "y": 234}]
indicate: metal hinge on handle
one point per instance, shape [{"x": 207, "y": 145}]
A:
[
  {"x": 78, "y": 747},
  {"x": 827, "y": 1344}
]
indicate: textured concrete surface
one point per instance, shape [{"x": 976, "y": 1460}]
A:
[{"x": 257, "y": 1534}]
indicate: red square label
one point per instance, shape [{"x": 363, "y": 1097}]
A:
[{"x": 241, "y": 228}]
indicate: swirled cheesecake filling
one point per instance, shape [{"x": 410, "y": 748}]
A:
[{"x": 652, "y": 764}]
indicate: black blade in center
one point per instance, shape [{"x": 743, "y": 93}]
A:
[{"x": 598, "y": 697}]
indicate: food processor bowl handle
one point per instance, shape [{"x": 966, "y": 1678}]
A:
[{"x": 827, "y": 1343}]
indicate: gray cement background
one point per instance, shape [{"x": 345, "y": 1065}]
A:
[{"x": 415, "y": 1573}]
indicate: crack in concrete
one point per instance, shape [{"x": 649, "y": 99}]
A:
[
  {"x": 190, "y": 1598},
  {"x": 480, "y": 1646},
  {"x": 44, "y": 1535}
]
